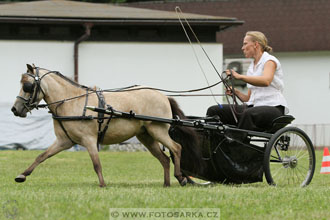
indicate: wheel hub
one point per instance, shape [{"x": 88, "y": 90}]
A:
[{"x": 290, "y": 162}]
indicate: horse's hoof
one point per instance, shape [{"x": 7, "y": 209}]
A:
[
  {"x": 102, "y": 185},
  {"x": 20, "y": 178},
  {"x": 184, "y": 181}
]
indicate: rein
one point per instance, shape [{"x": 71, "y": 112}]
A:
[
  {"x": 127, "y": 89},
  {"x": 31, "y": 102},
  {"x": 36, "y": 88}
]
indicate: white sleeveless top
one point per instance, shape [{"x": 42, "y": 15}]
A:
[{"x": 271, "y": 95}]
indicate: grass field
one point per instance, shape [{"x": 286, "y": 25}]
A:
[{"x": 66, "y": 187}]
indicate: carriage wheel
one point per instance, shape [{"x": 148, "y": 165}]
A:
[
  {"x": 289, "y": 158},
  {"x": 196, "y": 181}
]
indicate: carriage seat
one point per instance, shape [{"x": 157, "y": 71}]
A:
[{"x": 280, "y": 122}]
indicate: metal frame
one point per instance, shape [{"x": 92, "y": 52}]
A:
[{"x": 180, "y": 122}]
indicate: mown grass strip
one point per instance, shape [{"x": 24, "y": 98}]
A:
[{"x": 66, "y": 187}]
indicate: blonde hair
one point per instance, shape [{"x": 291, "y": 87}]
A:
[{"x": 257, "y": 36}]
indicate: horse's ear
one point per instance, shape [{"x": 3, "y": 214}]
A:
[{"x": 30, "y": 68}]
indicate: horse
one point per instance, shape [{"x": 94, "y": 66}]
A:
[{"x": 66, "y": 98}]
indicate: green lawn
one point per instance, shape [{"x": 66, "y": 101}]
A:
[{"x": 66, "y": 187}]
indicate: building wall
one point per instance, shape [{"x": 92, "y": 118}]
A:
[
  {"x": 14, "y": 56},
  {"x": 107, "y": 65},
  {"x": 307, "y": 89},
  {"x": 307, "y": 85},
  {"x": 163, "y": 65},
  {"x": 295, "y": 25},
  {"x": 170, "y": 66}
]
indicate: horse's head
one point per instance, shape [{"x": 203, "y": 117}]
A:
[{"x": 30, "y": 93}]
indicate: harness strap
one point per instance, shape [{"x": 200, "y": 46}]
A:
[
  {"x": 102, "y": 134},
  {"x": 86, "y": 102},
  {"x": 59, "y": 120},
  {"x": 100, "y": 120},
  {"x": 74, "y": 118},
  {"x": 66, "y": 133},
  {"x": 100, "y": 96},
  {"x": 31, "y": 102}
]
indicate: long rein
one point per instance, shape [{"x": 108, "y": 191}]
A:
[
  {"x": 124, "y": 89},
  {"x": 100, "y": 118}
]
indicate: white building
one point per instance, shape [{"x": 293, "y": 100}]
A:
[{"x": 106, "y": 46}]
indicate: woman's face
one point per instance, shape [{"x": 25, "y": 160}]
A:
[{"x": 249, "y": 47}]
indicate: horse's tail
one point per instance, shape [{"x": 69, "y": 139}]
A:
[{"x": 191, "y": 154}]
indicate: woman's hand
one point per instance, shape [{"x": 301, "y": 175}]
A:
[
  {"x": 233, "y": 74},
  {"x": 229, "y": 91},
  {"x": 263, "y": 80}
]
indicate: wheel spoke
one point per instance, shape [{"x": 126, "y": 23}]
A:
[
  {"x": 302, "y": 168},
  {"x": 301, "y": 173},
  {"x": 302, "y": 156},
  {"x": 298, "y": 153},
  {"x": 277, "y": 170}
]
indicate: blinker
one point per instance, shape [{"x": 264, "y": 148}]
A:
[{"x": 28, "y": 87}]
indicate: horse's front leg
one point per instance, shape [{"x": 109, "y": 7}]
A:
[
  {"x": 55, "y": 148},
  {"x": 94, "y": 154}
]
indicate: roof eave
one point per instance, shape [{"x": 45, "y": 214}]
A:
[{"x": 119, "y": 21}]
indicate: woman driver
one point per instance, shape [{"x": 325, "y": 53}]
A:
[{"x": 264, "y": 78}]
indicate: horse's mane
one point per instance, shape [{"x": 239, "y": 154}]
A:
[{"x": 72, "y": 82}]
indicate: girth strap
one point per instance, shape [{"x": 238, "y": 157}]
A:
[
  {"x": 102, "y": 133},
  {"x": 100, "y": 120},
  {"x": 61, "y": 124}
]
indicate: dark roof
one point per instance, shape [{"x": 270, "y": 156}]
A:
[
  {"x": 62, "y": 11},
  {"x": 66, "y": 20},
  {"x": 69, "y": 20},
  {"x": 290, "y": 25}
]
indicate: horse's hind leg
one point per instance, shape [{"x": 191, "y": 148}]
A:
[
  {"x": 160, "y": 133},
  {"x": 55, "y": 148},
  {"x": 153, "y": 147},
  {"x": 175, "y": 148}
]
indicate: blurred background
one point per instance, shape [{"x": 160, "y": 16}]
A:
[{"x": 113, "y": 44}]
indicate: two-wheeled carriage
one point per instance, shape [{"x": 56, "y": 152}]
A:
[{"x": 285, "y": 154}]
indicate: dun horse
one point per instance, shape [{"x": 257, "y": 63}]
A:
[{"x": 57, "y": 91}]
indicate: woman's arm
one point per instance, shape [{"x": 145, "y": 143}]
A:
[
  {"x": 243, "y": 97},
  {"x": 264, "y": 80}
]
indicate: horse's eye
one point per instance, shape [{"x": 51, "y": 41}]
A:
[{"x": 28, "y": 87}]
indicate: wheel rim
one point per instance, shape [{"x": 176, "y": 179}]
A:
[
  {"x": 198, "y": 181},
  {"x": 291, "y": 160}
]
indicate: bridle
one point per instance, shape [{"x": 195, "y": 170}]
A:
[{"x": 34, "y": 89}]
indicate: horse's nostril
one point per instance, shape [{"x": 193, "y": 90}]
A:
[{"x": 13, "y": 109}]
